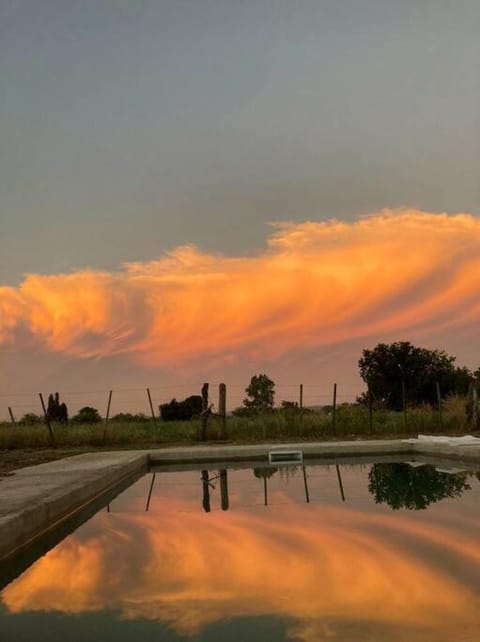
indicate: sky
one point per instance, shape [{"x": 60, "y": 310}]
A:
[{"x": 195, "y": 189}]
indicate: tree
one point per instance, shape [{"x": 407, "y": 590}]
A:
[
  {"x": 389, "y": 369},
  {"x": 181, "y": 410},
  {"x": 402, "y": 486},
  {"x": 56, "y": 411},
  {"x": 87, "y": 415},
  {"x": 260, "y": 394}
]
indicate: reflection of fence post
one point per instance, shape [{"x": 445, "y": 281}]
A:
[
  {"x": 265, "y": 491},
  {"x": 222, "y": 409},
  {"x": 224, "y": 489},
  {"x": 147, "y": 507},
  {"x": 340, "y": 482},
  {"x": 301, "y": 395},
  {"x": 334, "y": 409},
  {"x": 305, "y": 483},
  {"x": 107, "y": 416},
  {"x": 47, "y": 420},
  {"x": 10, "y": 412},
  {"x": 439, "y": 403},
  {"x": 204, "y": 413},
  {"x": 206, "y": 491}
]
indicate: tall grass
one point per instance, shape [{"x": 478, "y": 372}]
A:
[{"x": 352, "y": 421}]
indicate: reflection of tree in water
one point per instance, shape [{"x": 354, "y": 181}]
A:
[
  {"x": 402, "y": 486},
  {"x": 286, "y": 472},
  {"x": 264, "y": 473}
]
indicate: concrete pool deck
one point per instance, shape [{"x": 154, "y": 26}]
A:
[{"x": 35, "y": 499}]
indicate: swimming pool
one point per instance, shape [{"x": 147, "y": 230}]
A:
[{"x": 322, "y": 552}]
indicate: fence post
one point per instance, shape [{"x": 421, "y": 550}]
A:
[
  {"x": 10, "y": 412},
  {"x": 439, "y": 403},
  {"x": 474, "y": 407},
  {"x": 370, "y": 410},
  {"x": 334, "y": 409},
  {"x": 404, "y": 398},
  {"x": 222, "y": 409},
  {"x": 204, "y": 413},
  {"x": 151, "y": 409},
  {"x": 47, "y": 420},
  {"x": 301, "y": 395},
  {"x": 107, "y": 415}
]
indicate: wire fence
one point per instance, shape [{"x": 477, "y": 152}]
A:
[{"x": 15, "y": 406}]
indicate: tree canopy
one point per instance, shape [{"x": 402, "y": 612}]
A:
[
  {"x": 87, "y": 415},
  {"x": 260, "y": 393},
  {"x": 181, "y": 410},
  {"x": 388, "y": 367},
  {"x": 56, "y": 411}
]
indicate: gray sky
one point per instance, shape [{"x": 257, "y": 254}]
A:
[{"x": 127, "y": 128}]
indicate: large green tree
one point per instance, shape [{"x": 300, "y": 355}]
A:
[
  {"x": 260, "y": 393},
  {"x": 388, "y": 369}
]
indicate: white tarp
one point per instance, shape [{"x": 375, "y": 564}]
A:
[{"x": 465, "y": 440}]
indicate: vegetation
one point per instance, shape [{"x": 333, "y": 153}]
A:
[
  {"x": 260, "y": 396},
  {"x": 56, "y": 411},
  {"x": 87, "y": 415},
  {"x": 352, "y": 421},
  {"x": 393, "y": 373},
  {"x": 181, "y": 410},
  {"x": 398, "y": 369}
]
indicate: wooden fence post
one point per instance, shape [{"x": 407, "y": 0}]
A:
[
  {"x": 10, "y": 412},
  {"x": 222, "y": 409},
  {"x": 151, "y": 409},
  {"x": 204, "y": 413},
  {"x": 439, "y": 404},
  {"x": 301, "y": 395},
  {"x": 107, "y": 415},
  {"x": 474, "y": 407},
  {"x": 334, "y": 409},
  {"x": 47, "y": 420},
  {"x": 370, "y": 410}
]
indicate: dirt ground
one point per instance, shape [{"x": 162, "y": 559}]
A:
[{"x": 13, "y": 459}]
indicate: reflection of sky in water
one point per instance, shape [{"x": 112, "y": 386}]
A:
[{"x": 352, "y": 570}]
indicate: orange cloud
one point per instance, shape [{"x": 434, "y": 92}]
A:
[
  {"x": 316, "y": 283},
  {"x": 320, "y": 569}
]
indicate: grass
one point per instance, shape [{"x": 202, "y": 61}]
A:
[{"x": 352, "y": 421}]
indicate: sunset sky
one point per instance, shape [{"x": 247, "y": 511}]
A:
[{"x": 202, "y": 190}]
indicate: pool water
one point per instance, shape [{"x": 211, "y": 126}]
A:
[{"x": 323, "y": 553}]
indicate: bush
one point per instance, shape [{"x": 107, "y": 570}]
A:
[
  {"x": 181, "y": 410},
  {"x": 87, "y": 415}
]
